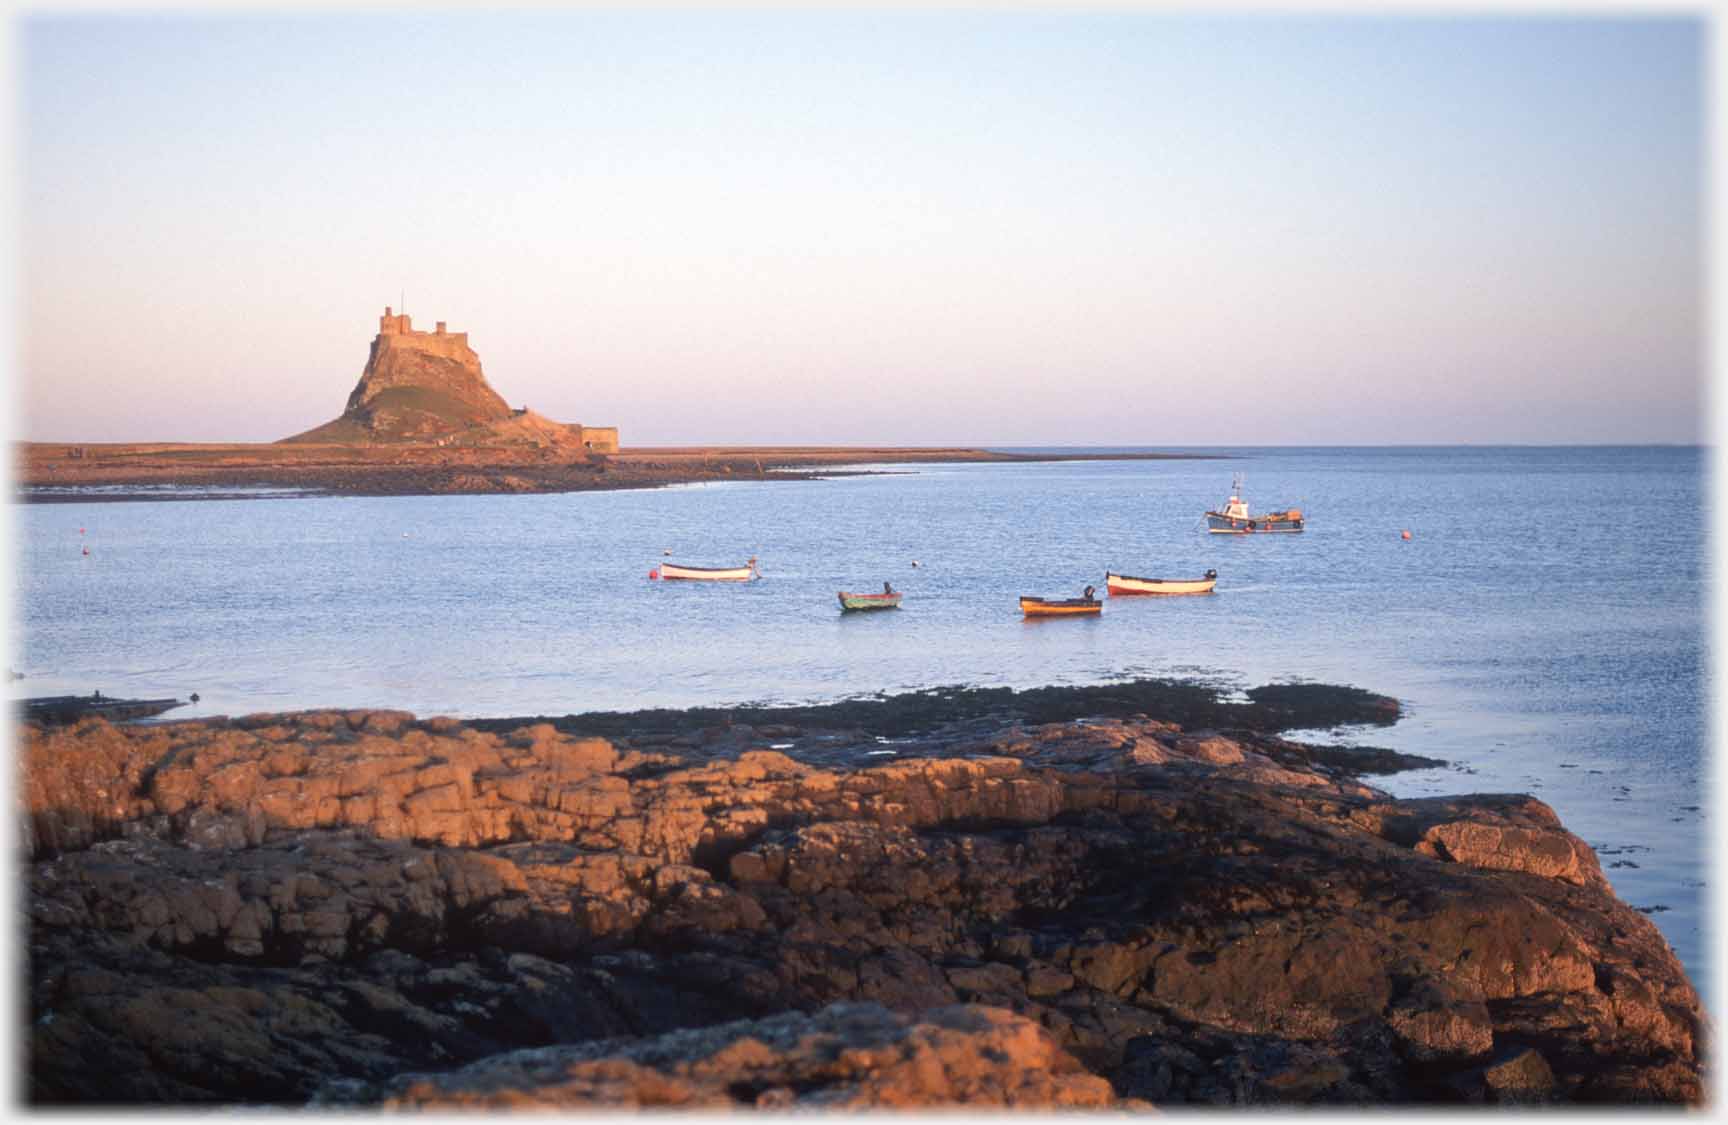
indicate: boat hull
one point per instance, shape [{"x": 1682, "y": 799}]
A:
[
  {"x": 1117, "y": 585},
  {"x": 1059, "y": 607},
  {"x": 708, "y": 573},
  {"x": 1219, "y": 524},
  {"x": 71, "y": 708},
  {"x": 852, "y": 602}
]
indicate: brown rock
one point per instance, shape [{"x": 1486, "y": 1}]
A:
[
  {"x": 1517, "y": 1076},
  {"x": 1045, "y": 980},
  {"x": 1210, "y": 748},
  {"x": 1282, "y": 941},
  {"x": 1431, "y": 1023},
  {"x": 847, "y": 1056},
  {"x": 1505, "y": 833}
]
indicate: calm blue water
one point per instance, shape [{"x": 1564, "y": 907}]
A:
[{"x": 1545, "y": 625}]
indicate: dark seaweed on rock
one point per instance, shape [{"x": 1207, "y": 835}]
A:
[{"x": 1190, "y": 704}]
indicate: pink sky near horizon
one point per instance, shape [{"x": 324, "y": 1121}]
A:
[{"x": 885, "y": 228}]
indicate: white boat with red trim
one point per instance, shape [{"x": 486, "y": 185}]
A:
[{"x": 1118, "y": 584}]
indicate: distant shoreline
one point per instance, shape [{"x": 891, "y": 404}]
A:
[{"x": 113, "y": 472}]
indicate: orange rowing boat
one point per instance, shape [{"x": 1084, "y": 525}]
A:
[{"x": 1060, "y": 607}]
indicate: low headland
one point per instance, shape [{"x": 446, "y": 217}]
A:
[
  {"x": 72, "y": 473},
  {"x": 1121, "y": 895},
  {"x": 424, "y": 420}
]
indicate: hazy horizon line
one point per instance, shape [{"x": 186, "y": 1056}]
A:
[{"x": 987, "y": 446}]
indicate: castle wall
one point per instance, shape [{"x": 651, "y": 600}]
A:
[
  {"x": 399, "y": 328},
  {"x": 600, "y": 439},
  {"x": 451, "y": 345}
]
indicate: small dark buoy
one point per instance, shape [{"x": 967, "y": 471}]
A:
[
  {"x": 86, "y": 550},
  {"x": 194, "y": 697},
  {"x": 914, "y": 562}
]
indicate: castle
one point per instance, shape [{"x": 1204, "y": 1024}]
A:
[
  {"x": 427, "y": 388},
  {"x": 401, "y": 325},
  {"x": 397, "y": 330},
  {"x": 391, "y": 324}
]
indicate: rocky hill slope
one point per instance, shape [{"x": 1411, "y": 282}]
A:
[
  {"x": 428, "y": 388},
  {"x": 364, "y": 908}
]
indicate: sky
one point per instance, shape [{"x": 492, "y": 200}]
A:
[{"x": 1008, "y": 227}]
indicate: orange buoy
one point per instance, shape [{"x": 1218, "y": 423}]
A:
[
  {"x": 654, "y": 573},
  {"x": 1406, "y": 535}
]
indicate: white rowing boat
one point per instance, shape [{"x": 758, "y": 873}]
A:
[
  {"x": 1127, "y": 584},
  {"x": 710, "y": 573}
]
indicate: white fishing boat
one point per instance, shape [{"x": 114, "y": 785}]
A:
[{"x": 1236, "y": 520}]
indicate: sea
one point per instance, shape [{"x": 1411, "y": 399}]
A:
[{"x": 1544, "y": 624}]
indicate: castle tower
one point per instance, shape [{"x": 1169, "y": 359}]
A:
[{"x": 392, "y": 325}]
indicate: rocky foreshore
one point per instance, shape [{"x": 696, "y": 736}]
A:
[{"x": 366, "y": 909}]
